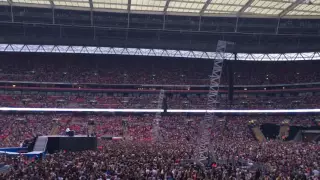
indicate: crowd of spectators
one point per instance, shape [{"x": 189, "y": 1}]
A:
[
  {"x": 194, "y": 101},
  {"x": 115, "y": 160},
  {"x": 147, "y": 101},
  {"x": 17, "y": 127},
  {"x": 143, "y": 71},
  {"x": 235, "y": 152},
  {"x": 150, "y": 101},
  {"x": 233, "y": 141}
]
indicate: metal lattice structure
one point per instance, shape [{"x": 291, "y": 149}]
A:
[
  {"x": 157, "y": 119},
  {"x": 224, "y": 8},
  {"x": 25, "y": 48},
  {"x": 204, "y": 136},
  {"x": 125, "y": 129}
]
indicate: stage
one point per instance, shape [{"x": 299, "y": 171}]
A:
[
  {"x": 55, "y": 143},
  {"x": 67, "y": 143},
  {"x": 65, "y": 136}
]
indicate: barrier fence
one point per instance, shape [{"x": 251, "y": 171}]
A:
[{"x": 228, "y": 111}]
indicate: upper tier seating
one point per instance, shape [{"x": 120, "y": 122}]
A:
[{"x": 133, "y": 70}]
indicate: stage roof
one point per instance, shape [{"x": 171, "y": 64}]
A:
[{"x": 221, "y": 8}]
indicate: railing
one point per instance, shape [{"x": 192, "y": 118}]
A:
[{"x": 158, "y": 85}]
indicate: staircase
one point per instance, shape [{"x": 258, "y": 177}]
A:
[
  {"x": 41, "y": 144},
  {"x": 298, "y": 137},
  {"x": 258, "y": 134},
  {"x": 54, "y": 130}
]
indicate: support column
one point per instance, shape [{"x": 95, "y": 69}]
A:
[
  {"x": 128, "y": 21},
  {"x": 236, "y": 28},
  {"x": 164, "y": 22},
  {"x": 199, "y": 25},
  {"x": 52, "y": 8},
  {"x": 53, "y": 17},
  {"x": 91, "y": 18},
  {"x": 277, "y": 28},
  {"x": 11, "y": 11},
  {"x": 91, "y": 12}
]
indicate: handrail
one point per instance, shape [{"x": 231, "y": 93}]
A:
[{"x": 158, "y": 85}]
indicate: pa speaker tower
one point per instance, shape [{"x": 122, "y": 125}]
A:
[{"x": 165, "y": 105}]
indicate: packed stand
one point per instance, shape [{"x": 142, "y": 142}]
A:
[
  {"x": 195, "y": 101},
  {"x": 17, "y": 128},
  {"x": 79, "y": 101},
  {"x": 120, "y": 70},
  {"x": 150, "y": 101}
]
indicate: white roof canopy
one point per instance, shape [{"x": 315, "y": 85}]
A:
[{"x": 227, "y": 8}]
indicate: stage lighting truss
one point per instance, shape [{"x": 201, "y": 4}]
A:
[
  {"x": 206, "y": 124},
  {"x": 156, "y": 122},
  {"x": 156, "y": 52}
]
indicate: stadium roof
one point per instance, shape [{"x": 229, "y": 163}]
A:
[
  {"x": 224, "y": 8},
  {"x": 23, "y": 48}
]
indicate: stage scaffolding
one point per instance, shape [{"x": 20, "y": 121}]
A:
[
  {"x": 156, "y": 122},
  {"x": 204, "y": 136}
]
